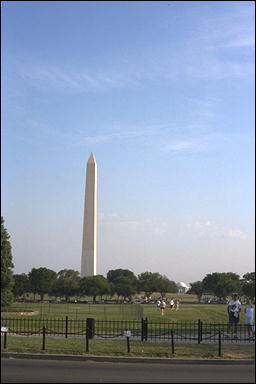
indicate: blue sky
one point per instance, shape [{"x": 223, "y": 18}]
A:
[{"x": 163, "y": 94}]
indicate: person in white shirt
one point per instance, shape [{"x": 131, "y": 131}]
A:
[
  {"x": 162, "y": 307},
  {"x": 249, "y": 317},
  {"x": 177, "y": 304},
  {"x": 234, "y": 309},
  {"x": 171, "y": 303}
]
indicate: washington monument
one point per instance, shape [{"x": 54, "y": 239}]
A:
[{"x": 89, "y": 244}]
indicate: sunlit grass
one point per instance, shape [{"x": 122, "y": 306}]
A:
[
  {"x": 216, "y": 313},
  {"x": 77, "y": 346}
]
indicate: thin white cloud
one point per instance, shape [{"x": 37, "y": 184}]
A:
[
  {"x": 124, "y": 224},
  {"x": 79, "y": 80},
  {"x": 220, "y": 46},
  {"x": 234, "y": 30},
  {"x": 198, "y": 138},
  {"x": 119, "y": 131},
  {"x": 200, "y": 224},
  {"x": 120, "y": 135},
  {"x": 210, "y": 229},
  {"x": 237, "y": 233},
  {"x": 186, "y": 146},
  {"x": 95, "y": 139},
  {"x": 208, "y": 53}
]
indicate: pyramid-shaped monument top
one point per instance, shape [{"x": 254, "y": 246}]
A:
[{"x": 91, "y": 159}]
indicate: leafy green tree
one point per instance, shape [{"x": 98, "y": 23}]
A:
[
  {"x": 154, "y": 282},
  {"x": 67, "y": 284},
  {"x": 94, "y": 286},
  {"x": 198, "y": 289},
  {"x": 21, "y": 285},
  {"x": 248, "y": 289},
  {"x": 221, "y": 284},
  {"x": 164, "y": 285},
  {"x": 210, "y": 281},
  {"x": 147, "y": 282},
  {"x": 233, "y": 276},
  {"x": 41, "y": 281},
  {"x": 6, "y": 268},
  {"x": 225, "y": 286},
  {"x": 111, "y": 289},
  {"x": 248, "y": 285},
  {"x": 123, "y": 281},
  {"x": 249, "y": 276},
  {"x": 114, "y": 274},
  {"x": 69, "y": 273},
  {"x": 125, "y": 287}
]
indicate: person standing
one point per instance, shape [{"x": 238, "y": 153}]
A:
[
  {"x": 162, "y": 307},
  {"x": 249, "y": 317},
  {"x": 233, "y": 309},
  {"x": 171, "y": 303}
]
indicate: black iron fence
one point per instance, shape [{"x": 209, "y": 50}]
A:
[
  {"x": 144, "y": 330},
  {"x": 54, "y": 327}
]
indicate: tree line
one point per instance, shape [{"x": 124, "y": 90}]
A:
[
  {"x": 225, "y": 283},
  {"x": 121, "y": 282},
  {"x": 68, "y": 283}
]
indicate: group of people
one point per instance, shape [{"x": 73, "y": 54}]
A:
[
  {"x": 174, "y": 304},
  {"x": 234, "y": 308}
]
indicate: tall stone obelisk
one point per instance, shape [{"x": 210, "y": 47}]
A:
[{"x": 89, "y": 244}]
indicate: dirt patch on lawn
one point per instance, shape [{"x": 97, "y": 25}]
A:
[{"x": 24, "y": 313}]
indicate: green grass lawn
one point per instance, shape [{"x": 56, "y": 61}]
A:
[
  {"x": 76, "y": 311},
  {"x": 216, "y": 313},
  {"x": 209, "y": 313},
  {"x": 119, "y": 348}
]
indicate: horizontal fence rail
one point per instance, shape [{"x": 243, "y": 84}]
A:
[{"x": 144, "y": 330}]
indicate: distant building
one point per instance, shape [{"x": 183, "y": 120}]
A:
[{"x": 183, "y": 287}]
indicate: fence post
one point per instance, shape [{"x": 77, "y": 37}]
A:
[
  {"x": 5, "y": 339},
  {"x": 87, "y": 342},
  {"x": 219, "y": 343},
  {"x": 172, "y": 338},
  {"x": 128, "y": 344},
  {"x": 90, "y": 330},
  {"x": 66, "y": 328},
  {"x": 199, "y": 331},
  {"x": 144, "y": 329},
  {"x": 43, "y": 346}
]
